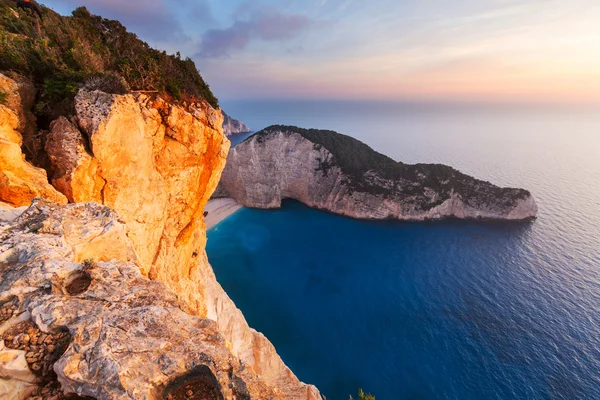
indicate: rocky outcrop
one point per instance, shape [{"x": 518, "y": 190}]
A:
[
  {"x": 153, "y": 162},
  {"x": 71, "y": 290},
  {"x": 20, "y": 181},
  {"x": 156, "y": 164},
  {"x": 232, "y": 126},
  {"x": 334, "y": 172}
]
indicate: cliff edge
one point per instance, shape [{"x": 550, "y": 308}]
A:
[
  {"x": 154, "y": 162},
  {"x": 113, "y": 293},
  {"x": 337, "y": 173}
]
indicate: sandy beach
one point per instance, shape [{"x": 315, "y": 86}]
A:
[{"x": 219, "y": 209}]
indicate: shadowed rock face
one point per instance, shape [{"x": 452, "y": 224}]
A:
[
  {"x": 334, "y": 172},
  {"x": 20, "y": 181},
  {"x": 129, "y": 335}
]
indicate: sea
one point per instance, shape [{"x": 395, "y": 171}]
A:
[{"x": 436, "y": 310}]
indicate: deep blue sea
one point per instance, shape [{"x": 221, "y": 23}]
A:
[{"x": 427, "y": 311}]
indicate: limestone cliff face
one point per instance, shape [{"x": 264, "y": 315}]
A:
[
  {"x": 156, "y": 164},
  {"x": 232, "y": 126},
  {"x": 20, "y": 181},
  {"x": 281, "y": 163}
]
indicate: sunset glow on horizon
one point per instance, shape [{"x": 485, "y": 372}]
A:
[{"x": 495, "y": 50}]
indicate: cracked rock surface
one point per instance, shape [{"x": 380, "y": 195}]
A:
[{"x": 73, "y": 299}]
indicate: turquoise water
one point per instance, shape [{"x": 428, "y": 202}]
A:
[{"x": 446, "y": 310}]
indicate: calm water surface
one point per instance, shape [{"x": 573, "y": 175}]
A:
[{"x": 447, "y": 310}]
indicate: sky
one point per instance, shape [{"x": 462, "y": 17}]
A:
[{"x": 462, "y": 50}]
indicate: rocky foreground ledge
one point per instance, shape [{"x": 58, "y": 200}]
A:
[
  {"x": 334, "y": 172},
  {"x": 78, "y": 318}
]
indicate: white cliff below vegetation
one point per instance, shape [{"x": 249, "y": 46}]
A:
[{"x": 334, "y": 172}]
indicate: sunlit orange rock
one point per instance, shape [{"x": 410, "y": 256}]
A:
[
  {"x": 157, "y": 163},
  {"x": 20, "y": 181}
]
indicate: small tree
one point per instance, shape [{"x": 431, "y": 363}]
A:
[{"x": 363, "y": 396}]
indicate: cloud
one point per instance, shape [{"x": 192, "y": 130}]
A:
[
  {"x": 266, "y": 24},
  {"x": 200, "y": 11},
  {"x": 151, "y": 19}
]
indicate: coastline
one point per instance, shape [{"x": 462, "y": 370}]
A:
[{"x": 219, "y": 209}]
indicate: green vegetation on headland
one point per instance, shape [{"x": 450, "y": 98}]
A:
[
  {"x": 360, "y": 163},
  {"x": 3, "y": 97},
  {"x": 61, "y": 54},
  {"x": 363, "y": 396}
]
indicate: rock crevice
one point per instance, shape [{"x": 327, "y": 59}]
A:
[{"x": 20, "y": 181}]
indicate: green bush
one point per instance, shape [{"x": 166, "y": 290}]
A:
[
  {"x": 3, "y": 97},
  {"x": 62, "y": 53},
  {"x": 107, "y": 82},
  {"x": 363, "y": 396}
]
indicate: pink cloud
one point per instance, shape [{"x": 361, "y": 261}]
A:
[{"x": 268, "y": 25}]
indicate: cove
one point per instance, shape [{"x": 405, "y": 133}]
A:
[{"x": 444, "y": 310}]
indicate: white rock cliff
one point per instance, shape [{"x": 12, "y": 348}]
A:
[{"x": 292, "y": 163}]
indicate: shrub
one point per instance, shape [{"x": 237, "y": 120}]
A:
[
  {"x": 62, "y": 53},
  {"x": 107, "y": 82},
  {"x": 363, "y": 396},
  {"x": 3, "y": 97},
  {"x": 56, "y": 92}
]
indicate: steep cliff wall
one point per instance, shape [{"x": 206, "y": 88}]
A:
[
  {"x": 156, "y": 164},
  {"x": 333, "y": 172}
]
